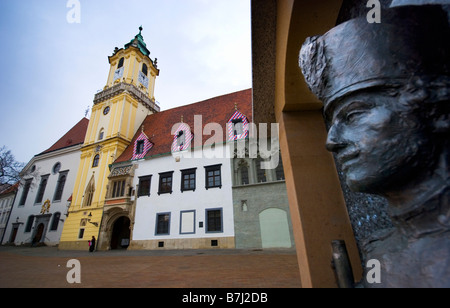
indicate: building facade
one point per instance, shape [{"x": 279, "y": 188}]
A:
[
  {"x": 42, "y": 201},
  {"x": 261, "y": 207},
  {"x": 7, "y": 197},
  {"x": 172, "y": 187},
  {"x": 118, "y": 112}
]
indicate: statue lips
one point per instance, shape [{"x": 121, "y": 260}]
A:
[{"x": 347, "y": 159}]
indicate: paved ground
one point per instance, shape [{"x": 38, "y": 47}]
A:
[{"x": 47, "y": 267}]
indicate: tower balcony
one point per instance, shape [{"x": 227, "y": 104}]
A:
[{"x": 132, "y": 90}]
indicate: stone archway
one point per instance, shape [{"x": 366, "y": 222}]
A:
[{"x": 120, "y": 233}]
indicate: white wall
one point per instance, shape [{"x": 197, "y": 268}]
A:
[
  {"x": 69, "y": 159},
  {"x": 147, "y": 207}
]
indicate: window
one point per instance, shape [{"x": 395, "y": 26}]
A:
[
  {"x": 89, "y": 193},
  {"x": 140, "y": 147},
  {"x": 118, "y": 189},
  {"x": 60, "y": 186},
  {"x": 260, "y": 173},
  {"x": 55, "y": 222},
  {"x": 41, "y": 190},
  {"x": 279, "y": 170},
  {"x": 56, "y": 168},
  {"x": 120, "y": 63},
  {"x": 26, "y": 189},
  {"x": 213, "y": 176},
  {"x": 81, "y": 234},
  {"x": 214, "y": 220},
  {"x": 101, "y": 134},
  {"x": 95, "y": 161},
  {"x": 187, "y": 222},
  {"x": 163, "y": 224},
  {"x": 144, "y": 69},
  {"x": 144, "y": 186},
  {"x": 238, "y": 127},
  {"x": 244, "y": 175},
  {"x": 188, "y": 179},
  {"x": 29, "y": 225},
  {"x": 165, "y": 183},
  {"x": 181, "y": 138}
]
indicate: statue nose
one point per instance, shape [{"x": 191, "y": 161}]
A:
[{"x": 334, "y": 140}]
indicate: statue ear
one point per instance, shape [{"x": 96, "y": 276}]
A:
[{"x": 442, "y": 121}]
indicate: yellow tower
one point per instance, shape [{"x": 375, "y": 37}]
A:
[{"x": 118, "y": 112}]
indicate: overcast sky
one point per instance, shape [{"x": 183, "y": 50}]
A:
[{"x": 51, "y": 69}]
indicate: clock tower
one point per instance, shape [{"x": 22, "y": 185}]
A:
[{"x": 118, "y": 111}]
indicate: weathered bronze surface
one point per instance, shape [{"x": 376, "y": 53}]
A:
[{"x": 386, "y": 94}]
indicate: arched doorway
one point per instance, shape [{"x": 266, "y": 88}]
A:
[
  {"x": 120, "y": 237},
  {"x": 274, "y": 229},
  {"x": 38, "y": 235}
]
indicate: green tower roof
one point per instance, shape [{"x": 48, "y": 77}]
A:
[{"x": 138, "y": 42}]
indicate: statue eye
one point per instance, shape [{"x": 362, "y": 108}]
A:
[{"x": 352, "y": 115}]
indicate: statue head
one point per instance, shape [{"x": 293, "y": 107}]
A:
[{"x": 386, "y": 94}]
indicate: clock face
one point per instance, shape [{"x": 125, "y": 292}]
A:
[
  {"x": 106, "y": 110},
  {"x": 118, "y": 73},
  {"x": 143, "y": 79}
]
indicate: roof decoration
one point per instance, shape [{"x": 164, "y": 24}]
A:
[
  {"x": 147, "y": 146},
  {"x": 233, "y": 132},
  {"x": 182, "y": 138},
  {"x": 138, "y": 42}
]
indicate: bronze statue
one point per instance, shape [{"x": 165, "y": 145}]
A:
[{"x": 386, "y": 94}]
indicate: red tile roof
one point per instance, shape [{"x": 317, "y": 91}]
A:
[
  {"x": 215, "y": 110},
  {"x": 73, "y": 137}
]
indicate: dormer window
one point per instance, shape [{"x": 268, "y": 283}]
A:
[
  {"x": 237, "y": 127},
  {"x": 182, "y": 138},
  {"x": 141, "y": 146},
  {"x": 144, "y": 69}
]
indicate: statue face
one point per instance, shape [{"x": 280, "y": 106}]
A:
[{"x": 377, "y": 140}]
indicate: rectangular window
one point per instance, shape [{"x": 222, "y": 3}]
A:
[
  {"x": 118, "y": 189},
  {"x": 81, "y": 234},
  {"x": 26, "y": 189},
  {"x": 140, "y": 147},
  {"x": 29, "y": 225},
  {"x": 163, "y": 224},
  {"x": 279, "y": 170},
  {"x": 144, "y": 186},
  {"x": 188, "y": 179},
  {"x": 213, "y": 176},
  {"x": 165, "y": 183},
  {"x": 214, "y": 220},
  {"x": 42, "y": 186},
  {"x": 187, "y": 222},
  {"x": 238, "y": 127}
]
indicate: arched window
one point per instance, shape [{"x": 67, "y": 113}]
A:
[
  {"x": 96, "y": 160},
  {"x": 55, "y": 222},
  {"x": 60, "y": 187},
  {"x": 100, "y": 135},
  {"x": 89, "y": 193},
  {"x": 120, "y": 63},
  {"x": 144, "y": 69},
  {"x": 260, "y": 173},
  {"x": 244, "y": 175}
]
